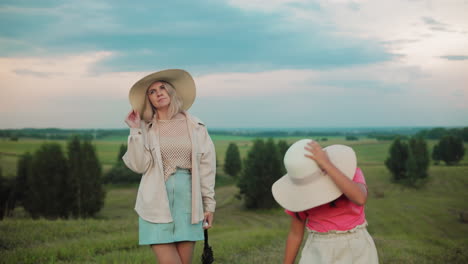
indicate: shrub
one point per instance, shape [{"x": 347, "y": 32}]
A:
[
  {"x": 47, "y": 185},
  {"x": 450, "y": 149},
  {"x": 52, "y": 186},
  {"x": 7, "y": 200},
  {"x": 396, "y": 162},
  {"x": 418, "y": 161},
  {"x": 283, "y": 147},
  {"x": 92, "y": 192},
  {"x": 409, "y": 163},
  {"x": 119, "y": 172},
  {"x": 262, "y": 168},
  {"x": 351, "y": 138},
  {"x": 232, "y": 161}
]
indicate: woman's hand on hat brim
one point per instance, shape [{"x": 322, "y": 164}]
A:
[
  {"x": 317, "y": 154},
  {"x": 133, "y": 119}
]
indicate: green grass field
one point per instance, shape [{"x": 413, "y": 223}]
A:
[{"x": 408, "y": 225}]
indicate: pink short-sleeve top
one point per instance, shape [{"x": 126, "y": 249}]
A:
[{"x": 341, "y": 216}]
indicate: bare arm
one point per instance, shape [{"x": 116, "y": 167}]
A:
[
  {"x": 356, "y": 192},
  {"x": 293, "y": 243}
]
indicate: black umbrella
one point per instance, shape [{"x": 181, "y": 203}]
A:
[{"x": 207, "y": 256}]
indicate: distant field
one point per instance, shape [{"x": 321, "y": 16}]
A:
[
  {"x": 10, "y": 150},
  {"x": 369, "y": 151}
]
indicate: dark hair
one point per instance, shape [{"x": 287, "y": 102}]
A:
[
  {"x": 298, "y": 216},
  {"x": 331, "y": 204}
]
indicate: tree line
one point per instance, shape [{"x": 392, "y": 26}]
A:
[
  {"x": 53, "y": 185},
  {"x": 257, "y": 172},
  {"x": 409, "y": 160},
  {"x": 57, "y": 133},
  {"x": 120, "y": 174},
  {"x": 380, "y": 134},
  {"x": 440, "y": 132}
]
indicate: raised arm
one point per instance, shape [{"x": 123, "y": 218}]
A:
[
  {"x": 137, "y": 158},
  {"x": 356, "y": 192}
]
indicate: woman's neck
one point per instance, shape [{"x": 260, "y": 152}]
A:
[{"x": 163, "y": 114}]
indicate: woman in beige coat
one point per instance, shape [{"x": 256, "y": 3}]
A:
[{"x": 176, "y": 156}]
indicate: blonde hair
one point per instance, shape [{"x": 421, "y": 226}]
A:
[{"x": 175, "y": 106}]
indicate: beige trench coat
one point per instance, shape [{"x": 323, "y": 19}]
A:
[{"x": 144, "y": 156}]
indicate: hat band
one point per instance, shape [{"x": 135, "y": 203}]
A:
[{"x": 307, "y": 179}]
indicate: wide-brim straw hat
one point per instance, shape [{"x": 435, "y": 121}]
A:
[
  {"x": 305, "y": 185},
  {"x": 181, "y": 80}
]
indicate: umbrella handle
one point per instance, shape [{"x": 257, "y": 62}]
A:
[{"x": 205, "y": 232}]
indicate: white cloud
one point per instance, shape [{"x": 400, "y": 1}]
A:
[
  {"x": 297, "y": 81},
  {"x": 253, "y": 84},
  {"x": 62, "y": 92},
  {"x": 401, "y": 25},
  {"x": 420, "y": 32},
  {"x": 420, "y": 85}
]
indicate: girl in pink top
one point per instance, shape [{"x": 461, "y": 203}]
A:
[{"x": 337, "y": 230}]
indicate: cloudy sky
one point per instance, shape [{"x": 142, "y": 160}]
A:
[{"x": 257, "y": 63}]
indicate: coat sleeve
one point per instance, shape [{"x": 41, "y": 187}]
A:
[
  {"x": 138, "y": 156},
  {"x": 208, "y": 174}
]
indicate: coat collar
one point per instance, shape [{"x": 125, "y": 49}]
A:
[{"x": 193, "y": 119}]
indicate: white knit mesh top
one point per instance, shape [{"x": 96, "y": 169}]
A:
[{"x": 176, "y": 147}]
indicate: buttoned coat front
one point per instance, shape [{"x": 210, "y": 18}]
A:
[{"x": 144, "y": 156}]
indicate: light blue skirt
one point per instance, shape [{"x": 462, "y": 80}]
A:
[{"x": 179, "y": 192}]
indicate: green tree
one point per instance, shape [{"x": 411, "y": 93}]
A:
[
  {"x": 464, "y": 134},
  {"x": 47, "y": 185},
  {"x": 409, "y": 163},
  {"x": 23, "y": 176},
  {"x": 436, "y": 154},
  {"x": 76, "y": 170},
  {"x": 397, "y": 161},
  {"x": 261, "y": 170},
  {"x": 122, "y": 151},
  {"x": 418, "y": 161},
  {"x": 119, "y": 172},
  {"x": 6, "y": 195},
  {"x": 434, "y": 133},
  {"x": 3, "y": 195},
  {"x": 283, "y": 146},
  {"x": 272, "y": 171},
  {"x": 232, "y": 160},
  {"x": 250, "y": 179},
  {"x": 92, "y": 193},
  {"x": 451, "y": 149}
]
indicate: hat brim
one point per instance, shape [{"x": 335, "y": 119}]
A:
[
  {"x": 181, "y": 80},
  {"x": 299, "y": 197}
]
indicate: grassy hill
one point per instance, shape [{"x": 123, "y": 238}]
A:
[{"x": 408, "y": 225}]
